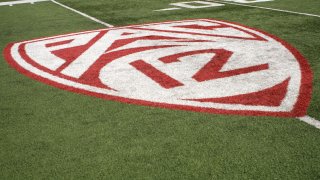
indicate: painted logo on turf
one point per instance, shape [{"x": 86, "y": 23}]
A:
[{"x": 199, "y": 65}]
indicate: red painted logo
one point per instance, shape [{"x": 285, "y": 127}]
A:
[{"x": 199, "y": 65}]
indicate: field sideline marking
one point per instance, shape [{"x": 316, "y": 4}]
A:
[
  {"x": 83, "y": 14},
  {"x": 167, "y": 9},
  {"x": 266, "y": 8},
  {"x": 11, "y": 3},
  {"x": 309, "y": 120}
]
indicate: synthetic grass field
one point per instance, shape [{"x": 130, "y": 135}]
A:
[{"x": 49, "y": 133}]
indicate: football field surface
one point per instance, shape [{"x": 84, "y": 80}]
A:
[{"x": 50, "y": 133}]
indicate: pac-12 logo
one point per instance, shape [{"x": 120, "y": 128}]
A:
[{"x": 199, "y": 65}]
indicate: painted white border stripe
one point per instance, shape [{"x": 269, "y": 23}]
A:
[
  {"x": 310, "y": 120},
  {"x": 167, "y": 9},
  {"x": 266, "y": 8},
  {"x": 82, "y": 14},
  {"x": 10, "y": 3}
]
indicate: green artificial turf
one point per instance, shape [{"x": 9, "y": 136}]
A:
[{"x": 48, "y": 133}]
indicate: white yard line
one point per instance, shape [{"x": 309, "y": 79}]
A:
[
  {"x": 11, "y": 3},
  {"x": 310, "y": 120},
  {"x": 167, "y": 9},
  {"x": 266, "y": 8},
  {"x": 82, "y": 14}
]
